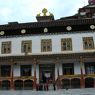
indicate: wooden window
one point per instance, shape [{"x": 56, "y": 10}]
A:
[
  {"x": 88, "y": 43},
  {"x": 46, "y": 45},
  {"x": 25, "y": 70},
  {"x": 90, "y": 68},
  {"x": 66, "y": 44},
  {"x": 6, "y": 47},
  {"x": 26, "y": 46},
  {"x": 68, "y": 69},
  {"x": 5, "y": 70}
]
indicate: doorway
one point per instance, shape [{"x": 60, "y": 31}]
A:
[{"x": 46, "y": 73}]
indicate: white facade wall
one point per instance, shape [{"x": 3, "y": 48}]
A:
[
  {"x": 77, "y": 43},
  {"x": 16, "y": 70},
  {"x": 56, "y": 74},
  {"x": 77, "y": 68},
  {"x": 60, "y": 69},
  {"x": 37, "y": 73}
]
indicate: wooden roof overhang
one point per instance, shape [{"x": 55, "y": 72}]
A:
[
  {"x": 56, "y": 26},
  {"x": 50, "y": 56}
]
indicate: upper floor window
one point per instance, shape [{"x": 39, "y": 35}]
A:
[
  {"x": 88, "y": 43},
  {"x": 46, "y": 45},
  {"x": 6, "y": 47},
  {"x": 26, "y": 46},
  {"x": 66, "y": 44}
]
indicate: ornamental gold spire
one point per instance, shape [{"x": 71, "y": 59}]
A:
[{"x": 44, "y": 13}]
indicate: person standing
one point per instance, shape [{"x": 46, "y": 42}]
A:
[{"x": 54, "y": 86}]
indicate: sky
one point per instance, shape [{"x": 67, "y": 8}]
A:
[{"x": 24, "y": 11}]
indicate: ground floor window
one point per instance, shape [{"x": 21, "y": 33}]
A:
[
  {"x": 26, "y": 70},
  {"x": 5, "y": 70},
  {"x": 68, "y": 69},
  {"x": 90, "y": 68}
]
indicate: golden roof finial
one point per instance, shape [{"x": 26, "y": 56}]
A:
[{"x": 44, "y": 11}]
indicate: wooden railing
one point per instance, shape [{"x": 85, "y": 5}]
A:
[
  {"x": 76, "y": 76},
  {"x": 17, "y": 78}
]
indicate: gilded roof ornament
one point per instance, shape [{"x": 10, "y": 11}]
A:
[{"x": 44, "y": 11}]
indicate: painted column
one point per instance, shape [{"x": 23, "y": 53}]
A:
[
  {"x": 57, "y": 62},
  {"x": 0, "y": 76},
  {"x": 56, "y": 71},
  {"x": 37, "y": 73},
  {"x": 82, "y": 84},
  {"x": 11, "y": 73},
  {"x": 0, "y": 84},
  {"x": 94, "y": 82},
  {"x": 60, "y": 69},
  {"x": 34, "y": 84}
]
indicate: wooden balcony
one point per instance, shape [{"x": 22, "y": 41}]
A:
[
  {"x": 24, "y": 78},
  {"x": 76, "y": 76},
  {"x": 5, "y": 78},
  {"x": 69, "y": 76},
  {"x": 18, "y": 78}
]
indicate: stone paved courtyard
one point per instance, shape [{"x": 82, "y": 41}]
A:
[{"x": 89, "y": 91}]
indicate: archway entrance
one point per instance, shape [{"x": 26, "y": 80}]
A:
[
  {"x": 75, "y": 83},
  {"x": 5, "y": 85},
  {"x": 46, "y": 73},
  {"x": 18, "y": 84},
  {"x": 89, "y": 83},
  {"x": 66, "y": 83},
  {"x": 28, "y": 84}
]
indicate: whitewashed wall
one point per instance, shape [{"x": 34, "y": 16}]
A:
[
  {"x": 77, "y": 68},
  {"x": 77, "y": 43},
  {"x": 37, "y": 73},
  {"x": 56, "y": 74},
  {"x": 16, "y": 70}
]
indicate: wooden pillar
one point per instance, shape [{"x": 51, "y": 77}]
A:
[
  {"x": 0, "y": 76},
  {"x": 82, "y": 82},
  {"x": 23, "y": 85},
  {"x": 34, "y": 83},
  {"x": 58, "y": 67},
  {"x": 94, "y": 83},
  {"x": 0, "y": 84},
  {"x": 12, "y": 82},
  {"x": 0, "y": 70}
]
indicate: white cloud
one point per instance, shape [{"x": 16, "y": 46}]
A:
[
  {"x": 26, "y": 10},
  {"x": 5, "y": 12}
]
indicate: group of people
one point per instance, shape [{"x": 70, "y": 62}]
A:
[{"x": 45, "y": 87}]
